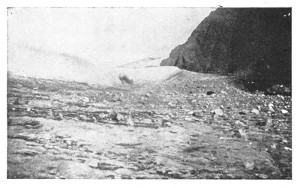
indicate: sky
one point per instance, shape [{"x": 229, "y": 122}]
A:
[{"x": 103, "y": 36}]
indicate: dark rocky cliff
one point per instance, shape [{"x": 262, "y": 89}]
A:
[{"x": 252, "y": 43}]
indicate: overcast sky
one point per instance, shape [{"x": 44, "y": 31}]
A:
[{"x": 104, "y": 35}]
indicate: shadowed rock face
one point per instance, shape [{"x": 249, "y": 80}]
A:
[{"x": 256, "y": 42}]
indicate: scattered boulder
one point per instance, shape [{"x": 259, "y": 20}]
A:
[
  {"x": 146, "y": 121},
  {"x": 249, "y": 165},
  {"x": 188, "y": 119},
  {"x": 17, "y": 101},
  {"x": 83, "y": 117},
  {"x": 117, "y": 116},
  {"x": 99, "y": 105},
  {"x": 197, "y": 114},
  {"x": 242, "y": 133},
  {"x": 269, "y": 122},
  {"x": 244, "y": 112},
  {"x": 129, "y": 122},
  {"x": 33, "y": 126},
  {"x": 40, "y": 103},
  {"x": 210, "y": 92},
  {"x": 165, "y": 122},
  {"x": 59, "y": 116},
  {"x": 102, "y": 115},
  {"x": 270, "y": 106},
  {"x": 218, "y": 112},
  {"x": 263, "y": 176},
  {"x": 27, "y": 152},
  {"x": 93, "y": 163},
  {"x": 255, "y": 111},
  {"x": 240, "y": 124},
  {"x": 123, "y": 171},
  {"x": 85, "y": 99},
  {"x": 171, "y": 105}
]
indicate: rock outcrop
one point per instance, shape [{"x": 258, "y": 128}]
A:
[{"x": 253, "y": 43}]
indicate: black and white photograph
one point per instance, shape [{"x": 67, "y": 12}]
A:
[{"x": 194, "y": 93}]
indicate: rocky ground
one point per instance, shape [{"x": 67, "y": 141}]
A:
[{"x": 191, "y": 126}]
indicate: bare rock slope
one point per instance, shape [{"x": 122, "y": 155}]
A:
[{"x": 254, "y": 44}]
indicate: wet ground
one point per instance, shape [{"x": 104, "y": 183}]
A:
[{"x": 191, "y": 126}]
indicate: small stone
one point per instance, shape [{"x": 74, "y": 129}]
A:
[
  {"x": 270, "y": 105},
  {"x": 242, "y": 133},
  {"x": 86, "y": 99},
  {"x": 249, "y": 165},
  {"x": 284, "y": 111},
  {"x": 82, "y": 117},
  {"x": 17, "y": 101},
  {"x": 60, "y": 116},
  {"x": 171, "y": 105},
  {"x": 146, "y": 121},
  {"x": 263, "y": 176},
  {"x": 62, "y": 177},
  {"x": 190, "y": 113},
  {"x": 188, "y": 119},
  {"x": 197, "y": 114},
  {"x": 194, "y": 101},
  {"x": 218, "y": 112},
  {"x": 165, "y": 120},
  {"x": 274, "y": 146},
  {"x": 240, "y": 124},
  {"x": 162, "y": 171},
  {"x": 244, "y": 112},
  {"x": 48, "y": 146},
  {"x": 33, "y": 144},
  {"x": 269, "y": 122},
  {"x": 166, "y": 124},
  {"x": 27, "y": 152},
  {"x": 102, "y": 115},
  {"x": 68, "y": 142},
  {"x": 123, "y": 171},
  {"x": 210, "y": 92},
  {"x": 26, "y": 136},
  {"x": 157, "y": 121},
  {"x": 99, "y": 105},
  {"x": 289, "y": 149},
  {"x": 93, "y": 163},
  {"x": 223, "y": 92},
  {"x": 32, "y": 126},
  {"x": 117, "y": 116},
  {"x": 255, "y": 111},
  {"x": 129, "y": 122}
]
